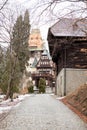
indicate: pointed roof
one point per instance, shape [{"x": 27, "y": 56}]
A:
[
  {"x": 34, "y": 62},
  {"x": 44, "y": 61},
  {"x": 45, "y": 52}
]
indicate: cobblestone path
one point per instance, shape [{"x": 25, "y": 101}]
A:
[{"x": 42, "y": 112}]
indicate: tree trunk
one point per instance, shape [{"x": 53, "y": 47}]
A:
[
  {"x": 9, "y": 93},
  {"x": 11, "y": 78}
]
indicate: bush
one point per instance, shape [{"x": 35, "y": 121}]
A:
[
  {"x": 30, "y": 89},
  {"x": 42, "y": 85}
]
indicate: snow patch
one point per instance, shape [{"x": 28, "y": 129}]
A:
[
  {"x": 4, "y": 109},
  {"x": 59, "y": 98},
  {"x": 6, "y": 105}
]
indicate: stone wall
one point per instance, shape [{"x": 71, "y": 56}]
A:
[
  {"x": 70, "y": 79},
  {"x": 75, "y": 78},
  {"x": 60, "y": 83}
]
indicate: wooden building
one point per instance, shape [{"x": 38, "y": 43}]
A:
[
  {"x": 67, "y": 41},
  {"x": 45, "y": 69}
]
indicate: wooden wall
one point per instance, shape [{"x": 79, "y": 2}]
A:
[{"x": 69, "y": 52}]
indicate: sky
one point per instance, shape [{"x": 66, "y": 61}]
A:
[{"x": 50, "y": 16}]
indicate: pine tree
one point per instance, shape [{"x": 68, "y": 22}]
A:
[
  {"x": 19, "y": 53},
  {"x": 20, "y": 39},
  {"x": 26, "y": 25},
  {"x": 9, "y": 73}
]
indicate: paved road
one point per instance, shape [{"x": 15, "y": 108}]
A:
[{"x": 42, "y": 112}]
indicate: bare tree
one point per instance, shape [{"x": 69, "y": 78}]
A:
[
  {"x": 52, "y": 10},
  {"x": 6, "y": 29},
  {"x": 10, "y": 33},
  {"x": 2, "y": 4}
]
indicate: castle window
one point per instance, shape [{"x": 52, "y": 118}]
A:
[
  {"x": 31, "y": 38},
  {"x": 36, "y": 37}
]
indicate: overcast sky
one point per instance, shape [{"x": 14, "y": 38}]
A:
[
  {"x": 48, "y": 18},
  {"x": 60, "y": 10}
]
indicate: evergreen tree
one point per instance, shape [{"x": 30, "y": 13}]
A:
[
  {"x": 19, "y": 53},
  {"x": 42, "y": 85},
  {"x": 26, "y": 26},
  {"x": 26, "y": 32},
  {"x": 20, "y": 39},
  {"x": 9, "y": 69},
  {"x": 2, "y": 67}
]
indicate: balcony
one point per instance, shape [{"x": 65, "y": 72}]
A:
[{"x": 42, "y": 75}]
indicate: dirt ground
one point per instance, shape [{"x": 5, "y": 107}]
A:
[{"x": 78, "y": 99}]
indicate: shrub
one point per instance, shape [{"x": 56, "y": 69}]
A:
[
  {"x": 42, "y": 85},
  {"x": 30, "y": 89}
]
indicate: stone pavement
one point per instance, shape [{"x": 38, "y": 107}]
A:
[{"x": 42, "y": 112}]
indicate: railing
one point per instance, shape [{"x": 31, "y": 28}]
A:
[{"x": 42, "y": 75}]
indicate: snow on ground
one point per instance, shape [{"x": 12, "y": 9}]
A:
[
  {"x": 59, "y": 98},
  {"x": 21, "y": 97},
  {"x": 2, "y": 96},
  {"x": 6, "y": 105},
  {"x": 5, "y": 109}
]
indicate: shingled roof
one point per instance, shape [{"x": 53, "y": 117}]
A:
[{"x": 70, "y": 27}]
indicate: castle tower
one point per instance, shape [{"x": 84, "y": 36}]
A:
[
  {"x": 35, "y": 48},
  {"x": 35, "y": 40}
]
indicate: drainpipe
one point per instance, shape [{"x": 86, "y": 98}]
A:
[
  {"x": 56, "y": 87},
  {"x": 64, "y": 81},
  {"x": 65, "y": 70}
]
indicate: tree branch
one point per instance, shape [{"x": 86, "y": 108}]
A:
[{"x": 3, "y": 4}]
